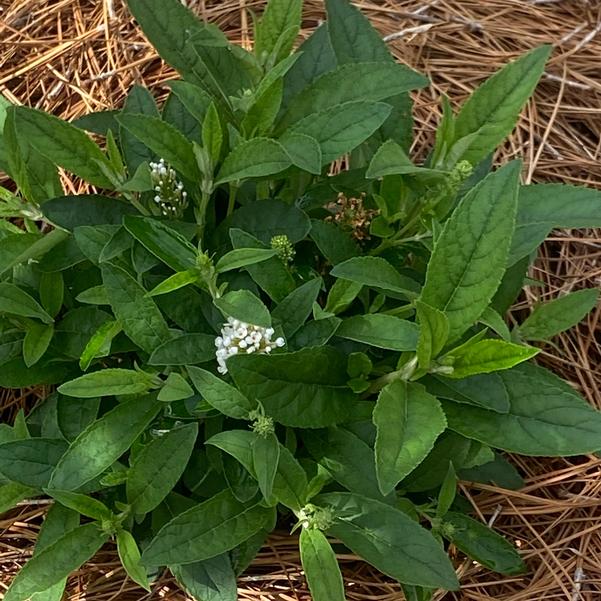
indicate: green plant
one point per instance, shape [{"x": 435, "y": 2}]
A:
[{"x": 240, "y": 338}]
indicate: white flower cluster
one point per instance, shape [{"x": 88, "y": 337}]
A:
[
  {"x": 240, "y": 337},
  {"x": 170, "y": 196}
]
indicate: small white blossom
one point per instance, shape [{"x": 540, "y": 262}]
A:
[{"x": 238, "y": 336}]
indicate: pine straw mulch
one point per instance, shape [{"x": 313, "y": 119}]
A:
[{"x": 70, "y": 57}]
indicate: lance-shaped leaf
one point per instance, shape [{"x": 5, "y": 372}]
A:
[
  {"x": 210, "y": 580},
  {"x": 108, "y": 382},
  {"x": 469, "y": 257},
  {"x": 408, "y": 422},
  {"x": 15, "y": 301},
  {"x": 382, "y": 331}
]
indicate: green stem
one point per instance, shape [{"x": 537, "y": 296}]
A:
[{"x": 231, "y": 204}]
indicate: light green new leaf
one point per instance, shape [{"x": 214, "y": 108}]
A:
[
  {"x": 433, "y": 333},
  {"x": 482, "y": 544},
  {"x": 558, "y": 315},
  {"x": 102, "y": 443},
  {"x": 130, "y": 557},
  {"x": 277, "y": 29},
  {"x": 15, "y": 301},
  {"x": 266, "y": 457},
  {"x": 163, "y": 242},
  {"x": 353, "y": 37},
  {"x": 245, "y": 306},
  {"x": 304, "y": 389},
  {"x": 379, "y": 81},
  {"x": 470, "y": 255},
  {"x": 108, "y": 382},
  {"x": 212, "y": 136},
  {"x": 158, "y": 467},
  {"x": 546, "y": 417},
  {"x": 63, "y": 144},
  {"x": 206, "y": 530},
  {"x": 219, "y": 394},
  {"x": 382, "y": 331},
  {"x": 99, "y": 345},
  {"x": 321, "y": 567},
  {"x": 258, "y": 157},
  {"x": 485, "y": 356},
  {"x": 390, "y": 540},
  {"x": 241, "y": 257},
  {"x": 341, "y": 128},
  {"x": 491, "y": 319},
  {"x": 175, "y": 388},
  {"x": 391, "y": 159},
  {"x": 492, "y": 110},
  {"x": 137, "y": 313},
  {"x": 542, "y": 207},
  {"x": 30, "y": 461},
  {"x": 376, "y": 273},
  {"x": 37, "y": 339},
  {"x": 56, "y": 562},
  {"x": 408, "y": 422},
  {"x": 175, "y": 282}
]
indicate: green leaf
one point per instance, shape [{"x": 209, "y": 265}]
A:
[
  {"x": 433, "y": 333},
  {"x": 30, "y": 461},
  {"x": 542, "y": 207},
  {"x": 376, "y": 273},
  {"x": 470, "y": 254},
  {"x": 352, "y": 36},
  {"x": 321, "y": 567},
  {"x": 163, "y": 242},
  {"x": 137, "y": 313},
  {"x": 546, "y": 417},
  {"x": 245, "y": 306},
  {"x": 293, "y": 311},
  {"x": 99, "y": 345},
  {"x": 481, "y": 543},
  {"x": 212, "y": 136},
  {"x": 188, "y": 349},
  {"x": 259, "y": 157},
  {"x": 341, "y": 296},
  {"x": 379, "y": 81},
  {"x": 447, "y": 492},
  {"x": 314, "y": 333},
  {"x": 492, "y": 110},
  {"x": 265, "y": 219},
  {"x": 98, "y": 122},
  {"x": 194, "y": 98},
  {"x": 304, "y": 151},
  {"x": 52, "y": 290},
  {"x": 83, "y": 504},
  {"x": 334, "y": 243},
  {"x": 341, "y": 128},
  {"x": 491, "y": 319},
  {"x": 304, "y": 389},
  {"x": 63, "y": 144},
  {"x": 265, "y": 458},
  {"x": 175, "y": 388},
  {"x": 469, "y": 390},
  {"x": 102, "y": 443},
  {"x": 15, "y": 301},
  {"x": 206, "y": 530},
  {"x": 241, "y": 257},
  {"x": 158, "y": 467},
  {"x": 178, "y": 280},
  {"x": 382, "y": 331},
  {"x": 261, "y": 115},
  {"x": 75, "y": 415},
  {"x": 485, "y": 356},
  {"x": 36, "y": 342},
  {"x": 56, "y": 562},
  {"x": 163, "y": 139},
  {"x": 391, "y": 159},
  {"x": 220, "y": 395},
  {"x": 210, "y": 580},
  {"x": 390, "y": 540},
  {"x": 271, "y": 275},
  {"x": 108, "y": 382},
  {"x": 290, "y": 483},
  {"x": 281, "y": 19},
  {"x": 408, "y": 422},
  {"x": 13, "y": 493},
  {"x": 558, "y": 315},
  {"x": 130, "y": 557},
  {"x": 78, "y": 210}
]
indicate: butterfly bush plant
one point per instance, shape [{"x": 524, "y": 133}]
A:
[{"x": 268, "y": 314}]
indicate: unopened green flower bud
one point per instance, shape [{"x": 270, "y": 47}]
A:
[
  {"x": 284, "y": 248},
  {"x": 263, "y": 426}
]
